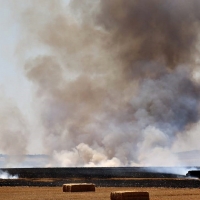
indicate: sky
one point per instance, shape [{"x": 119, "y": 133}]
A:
[{"x": 82, "y": 84}]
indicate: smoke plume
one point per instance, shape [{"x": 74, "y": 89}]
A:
[
  {"x": 113, "y": 79},
  {"x": 13, "y": 132},
  {"x": 6, "y": 175}
]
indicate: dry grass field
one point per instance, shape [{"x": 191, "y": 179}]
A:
[{"x": 55, "y": 193}]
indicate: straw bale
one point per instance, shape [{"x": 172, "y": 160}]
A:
[
  {"x": 79, "y": 187},
  {"x": 129, "y": 195}
]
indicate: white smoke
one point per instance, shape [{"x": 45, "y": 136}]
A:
[
  {"x": 6, "y": 175},
  {"x": 83, "y": 155}
]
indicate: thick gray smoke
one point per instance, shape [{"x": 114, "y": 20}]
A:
[
  {"x": 152, "y": 31},
  {"x": 114, "y": 79}
]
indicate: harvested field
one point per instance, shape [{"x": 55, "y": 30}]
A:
[
  {"x": 46, "y": 184},
  {"x": 52, "y": 193}
]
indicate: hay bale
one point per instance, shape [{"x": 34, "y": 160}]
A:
[
  {"x": 129, "y": 195},
  {"x": 79, "y": 187}
]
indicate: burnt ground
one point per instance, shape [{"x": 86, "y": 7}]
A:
[
  {"x": 194, "y": 173},
  {"x": 101, "y": 177},
  {"x": 169, "y": 183}
]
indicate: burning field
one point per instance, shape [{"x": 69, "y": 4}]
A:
[
  {"x": 46, "y": 183},
  {"x": 160, "y": 186},
  {"x": 101, "y": 177},
  {"x": 114, "y": 90}
]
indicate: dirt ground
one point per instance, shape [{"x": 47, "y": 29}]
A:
[{"x": 101, "y": 193}]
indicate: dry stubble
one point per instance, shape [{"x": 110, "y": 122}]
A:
[{"x": 52, "y": 193}]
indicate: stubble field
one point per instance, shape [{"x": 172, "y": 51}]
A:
[
  {"x": 101, "y": 193},
  {"x": 46, "y": 184}
]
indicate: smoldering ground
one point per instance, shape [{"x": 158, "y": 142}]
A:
[
  {"x": 114, "y": 81},
  {"x": 6, "y": 175}
]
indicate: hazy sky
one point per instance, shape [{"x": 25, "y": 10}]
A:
[{"x": 14, "y": 85}]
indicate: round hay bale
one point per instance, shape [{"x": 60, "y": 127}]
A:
[
  {"x": 129, "y": 195},
  {"x": 79, "y": 187}
]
